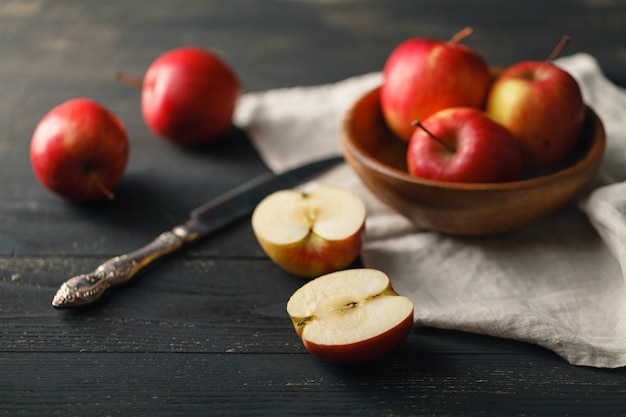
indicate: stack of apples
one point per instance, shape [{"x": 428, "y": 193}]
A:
[{"x": 463, "y": 122}]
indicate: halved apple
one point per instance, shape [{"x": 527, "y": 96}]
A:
[
  {"x": 350, "y": 316},
  {"x": 311, "y": 233}
]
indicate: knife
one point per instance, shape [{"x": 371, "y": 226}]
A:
[{"x": 85, "y": 289}]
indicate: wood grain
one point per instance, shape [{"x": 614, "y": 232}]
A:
[{"x": 205, "y": 332}]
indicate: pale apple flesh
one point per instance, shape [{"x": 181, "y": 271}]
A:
[
  {"x": 311, "y": 233},
  {"x": 350, "y": 316}
]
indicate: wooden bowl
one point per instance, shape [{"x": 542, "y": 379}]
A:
[{"x": 379, "y": 158}]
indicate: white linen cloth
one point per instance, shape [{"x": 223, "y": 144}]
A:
[{"x": 558, "y": 283}]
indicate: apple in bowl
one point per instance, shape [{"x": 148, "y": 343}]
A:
[
  {"x": 311, "y": 233},
  {"x": 463, "y": 144},
  {"x": 350, "y": 316},
  {"x": 543, "y": 108},
  {"x": 422, "y": 76}
]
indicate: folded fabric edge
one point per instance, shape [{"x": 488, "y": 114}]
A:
[{"x": 573, "y": 350}]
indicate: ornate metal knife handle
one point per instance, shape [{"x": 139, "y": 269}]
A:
[{"x": 87, "y": 288}]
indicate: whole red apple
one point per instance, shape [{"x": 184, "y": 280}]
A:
[
  {"x": 79, "y": 150},
  {"x": 189, "y": 96},
  {"x": 423, "y": 76},
  {"x": 463, "y": 144},
  {"x": 542, "y": 106}
]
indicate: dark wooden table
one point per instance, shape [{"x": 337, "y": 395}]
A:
[{"x": 205, "y": 332}]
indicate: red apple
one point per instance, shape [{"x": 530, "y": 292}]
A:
[
  {"x": 189, "y": 96},
  {"x": 311, "y": 233},
  {"x": 542, "y": 105},
  {"x": 79, "y": 150},
  {"x": 463, "y": 144},
  {"x": 423, "y": 76},
  {"x": 350, "y": 316}
]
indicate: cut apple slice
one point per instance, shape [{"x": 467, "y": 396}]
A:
[
  {"x": 311, "y": 233},
  {"x": 350, "y": 316}
]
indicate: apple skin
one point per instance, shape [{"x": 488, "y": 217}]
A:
[
  {"x": 542, "y": 106},
  {"x": 189, "y": 96},
  {"x": 335, "y": 316},
  {"x": 306, "y": 250},
  {"x": 363, "y": 351},
  {"x": 478, "y": 149},
  {"x": 423, "y": 76},
  {"x": 314, "y": 255},
  {"x": 79, "y": 150}
]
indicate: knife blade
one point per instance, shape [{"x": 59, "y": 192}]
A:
[{"x": 85, "y": 289}]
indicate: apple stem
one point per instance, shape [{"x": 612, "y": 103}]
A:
[
  {"x": 432, "y": 136},
  {"x": 103, "y": 188},
  {"x": 558, "y": 49},
  {"x": 460, "y": 35},
  {"x": 129, "y": 79}
]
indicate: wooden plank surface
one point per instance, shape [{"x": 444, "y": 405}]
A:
[{"x": 205, "y": 332}]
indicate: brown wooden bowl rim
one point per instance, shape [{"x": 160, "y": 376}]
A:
[{"x": 590, "y": 157}]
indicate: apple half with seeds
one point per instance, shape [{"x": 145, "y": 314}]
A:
[
  {"x": 350, "y": 316},
  {"x": 311, "y": 233}
]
